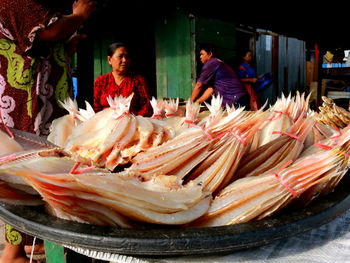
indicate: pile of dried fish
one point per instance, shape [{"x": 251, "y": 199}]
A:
[
  {"x": 280, "y": 117},
  {"x": 62, "y": 127},
  {"x": 113, "y": 136},
  {"x": 260, "y": 196},
  {"x": 226, "y": 166},
  {"x": 332, "y": 115},
  {"x": 273, "y": 155}
]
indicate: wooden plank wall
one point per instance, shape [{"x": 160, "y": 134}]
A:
[
  {"x": 173, "y": 56},
  {"x": 177, "y": 50},
  {"x": 101, "y": 65}
]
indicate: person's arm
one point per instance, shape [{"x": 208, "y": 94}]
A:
[
  {"x": 249, "y": 80},
  {"x": 243, "y": 75},
  {"x": 196, "y": 91},
  {"x": 66, "y": 25},
  {"x": 206, "y": 79},
  {"x": 206, "y": 95},
  {"x": 144, "y": 98}
]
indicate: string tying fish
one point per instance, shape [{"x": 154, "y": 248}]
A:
[
  {"x": 276, "y": 116},
  {"x": 235, "y": 134},
  {"x": 121, "y": 116},
  {"x": 192, "y": 124},
  {"x": 295, "y": 194},
  {"x": 156, "y": 116},
  {"x": 323, "y": 146},
  {"x": 75, "y": 169},
  {"x": 8, "y": 158},
  {"x": 289, "y": 134},
  {"x": 239, "y": 138},
  {"x": 191, "y": 121}
]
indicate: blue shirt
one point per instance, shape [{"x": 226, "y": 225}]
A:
[
  {"x": 246, "y": 71},
  {"x": 223, "y": 79}
]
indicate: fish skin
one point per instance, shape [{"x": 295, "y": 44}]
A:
[{"x": 8, "y": 144}]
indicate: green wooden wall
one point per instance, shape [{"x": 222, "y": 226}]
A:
[
  {"x": 101, "y": 65},
  {"x": 174, "y": 56},
  {"x": 177, "y": 54}
]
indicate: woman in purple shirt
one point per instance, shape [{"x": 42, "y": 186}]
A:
[{"x": 218, "y": 78}]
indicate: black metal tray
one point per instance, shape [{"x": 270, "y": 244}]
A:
[{"x": 168, "y": 241}]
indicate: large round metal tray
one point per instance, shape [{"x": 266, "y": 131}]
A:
[{"x": 174, "y": 241}]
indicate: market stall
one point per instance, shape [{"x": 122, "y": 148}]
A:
[{"x": 186, "y": 228}]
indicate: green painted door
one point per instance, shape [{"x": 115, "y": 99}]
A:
[
  {"x": 177, "y": 54},
  {"x": 174, "y": 52}
]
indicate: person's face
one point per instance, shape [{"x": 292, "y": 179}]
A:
[
  {"x": 248, "y": 57},
  {"x": 120, "y": 60},
  {"x": 204, "y": 56}
]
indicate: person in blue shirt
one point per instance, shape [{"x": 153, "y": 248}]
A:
[
  {"x": 248, "y": 77},
  {"x": 218, "y": 78}
]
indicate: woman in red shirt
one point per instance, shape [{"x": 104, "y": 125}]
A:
[{"x": 122, "y": 82}]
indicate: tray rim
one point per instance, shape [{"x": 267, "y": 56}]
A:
[{"x": 169, "y": 241}]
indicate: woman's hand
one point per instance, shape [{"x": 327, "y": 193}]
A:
[
  {"x": 66, "y": 25},
  {"x": 84, "y": 8}
]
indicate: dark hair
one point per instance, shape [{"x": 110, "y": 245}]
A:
[
  {"x": 208, "y": 48},
  {"x": 113, "y": 47},
  {"x": 244, "y": 52}
]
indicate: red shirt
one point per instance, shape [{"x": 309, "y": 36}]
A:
[{"x": 105, "y": 86}]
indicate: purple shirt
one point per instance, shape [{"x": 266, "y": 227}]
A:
[{"x": 223, "y": 79}]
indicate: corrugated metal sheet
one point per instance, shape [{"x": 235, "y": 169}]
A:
[
  {"x": 263, "y": 54},
  {"x": 282, "y": 66},
  {"x": 296, "y": 65},
  {"x": 290, "y": 73}
]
